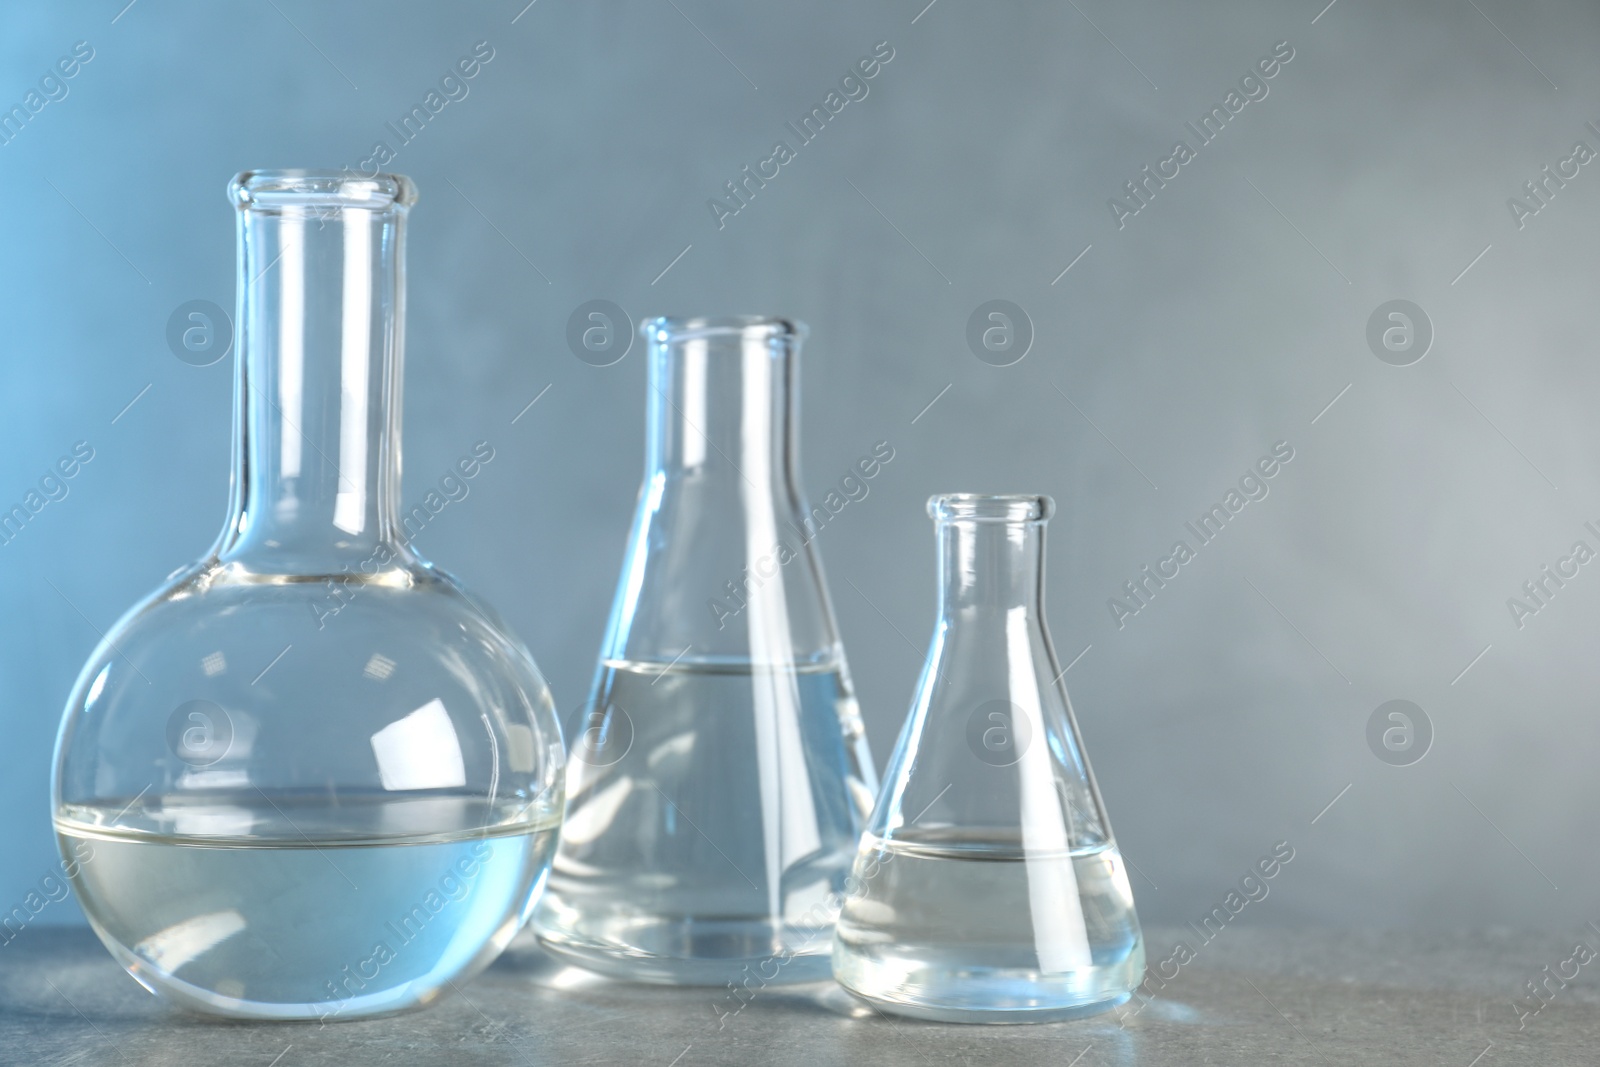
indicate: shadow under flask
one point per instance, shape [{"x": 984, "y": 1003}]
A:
[
  {"x": 721, "y": 777},
  {"x": 310, "y": 777},
  {"x": 988, "y": 887}
]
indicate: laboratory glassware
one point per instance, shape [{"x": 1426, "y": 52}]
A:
[
  {"x": 720, "y": 775},
  {"x": 988, "y": 886},
  {"x": 310, "y": 776}
]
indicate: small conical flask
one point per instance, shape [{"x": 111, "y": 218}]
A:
[
  {"x": 988, "y": 887},
  {"x": 309, "y": 776},
  {"x": 720, "y": 775}
]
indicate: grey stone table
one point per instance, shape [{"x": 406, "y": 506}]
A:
[{"x": 1248, "y": 997}]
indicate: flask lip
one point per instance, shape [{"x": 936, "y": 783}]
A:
[
  {"x": 671, "y": 329},
  {"x": 996, "y": 507},
  {"x": 321, "y": 188}
]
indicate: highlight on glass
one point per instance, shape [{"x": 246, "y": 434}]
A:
[
  {"x": 317, "y": 779},
  {"x": 720, "y": 774},
  {"x": 988, "y": 886}
]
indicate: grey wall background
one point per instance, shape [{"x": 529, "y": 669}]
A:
[{"x": 1224, "y": 317}]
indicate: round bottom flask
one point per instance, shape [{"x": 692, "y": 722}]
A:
[{"x": 310, "y": 777}]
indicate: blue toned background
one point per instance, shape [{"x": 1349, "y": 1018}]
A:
[{"x": 1188, "y": 338}]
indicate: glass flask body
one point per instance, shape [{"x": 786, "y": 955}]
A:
[
  {"x": 310, "y": 777},
  {"x": 721, "y": 777},
  {"x": 988, "y": 887}
]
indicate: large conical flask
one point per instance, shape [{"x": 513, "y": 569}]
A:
[
  {"x": 988, "y": 887},
  {"x": 310, "y": 777},
  {"x": 720, "y": 775}
]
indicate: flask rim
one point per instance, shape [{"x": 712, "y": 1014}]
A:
[
  {"x": 671, "y": 329},
  {"x": 321, "y": 188},
  {"x": 991, "y": 507}
]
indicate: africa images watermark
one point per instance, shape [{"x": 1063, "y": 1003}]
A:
[
  {"x": 1538, "y": 591},
  {"x": 453, "y": 487},
  {"x": 758, "y": 573},
  {"x": 53, "y": 486},
  {"x": 1543, "y": 987},
  {"x": 452, "y": 888},
  {"x": 819, "y": 919},
  {"x": 1542, "y": 190},
  {"x": 53, "y": 88},
  {"x": 1252, "y": 888},
  {"x": 1143, "y": 189},
  {"x": 853, "y": 86},
  {"x": 1142, "y": 589},
  {"x": 453, "y": 87},
  {"x": 1399, "y": 732},
  {"x": 50, "y": 889}
]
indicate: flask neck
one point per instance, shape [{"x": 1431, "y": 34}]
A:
[
  {"x": 990, "y": 568},
  {"x": 317, "y": 388},
  {"x": 722, "y": 404},
  {"x": 721, "y": 565}
]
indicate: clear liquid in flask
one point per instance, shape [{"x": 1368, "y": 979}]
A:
[
  {"x": 719, "y": 777},
  {"x": 989, "y": 887},
  {"x": 964, "y": 926},
  {"x": 715, "y": 829},
  {"x": 277, "y": 921}
]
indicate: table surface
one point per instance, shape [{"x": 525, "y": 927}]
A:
[{"x": 1248, "y": 997}]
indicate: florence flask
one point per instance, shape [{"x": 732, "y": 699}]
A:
[{"x": 310, "y": 777}]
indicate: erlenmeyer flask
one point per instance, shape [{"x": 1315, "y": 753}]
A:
[
  {"x": 309, "y": 776},
  {"x": 988, "y": 887},
  {"x": 721, "y": 776}
]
